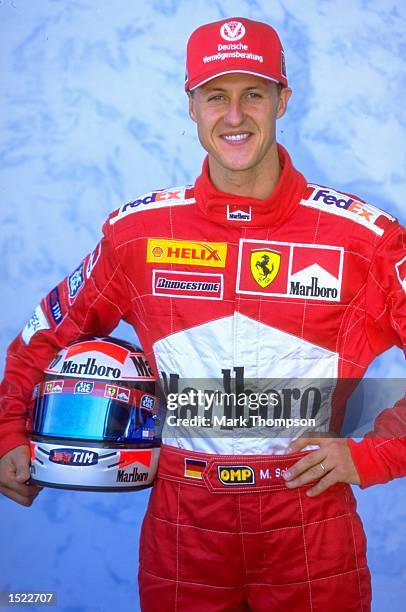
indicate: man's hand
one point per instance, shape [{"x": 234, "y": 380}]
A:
[
  {"x": 332, "y": 463},
  {"x": 14, "y": 473}
]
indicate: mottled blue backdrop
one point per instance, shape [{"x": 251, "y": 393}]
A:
[{"x": 93, "y": 113}]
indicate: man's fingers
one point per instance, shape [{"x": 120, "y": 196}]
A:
[
  {"x": 312, "y": 473},
  {"x": 15, "y": 473},
  {"x": 330, "y": 479},
  {"x": 308, "y": 461},
  {"x": 24, "y": 500},
  {"x": 21, "y": 489},
  {"x": 22, "y": 473}
]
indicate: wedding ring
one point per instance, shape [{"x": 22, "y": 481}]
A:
[{"x": 322, "y": 467}]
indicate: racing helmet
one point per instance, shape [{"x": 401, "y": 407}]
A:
[{"x": 95, "y": 419}]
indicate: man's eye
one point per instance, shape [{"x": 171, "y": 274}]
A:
[
  {"x": 253, "y": 95},
  {"x": 216, "y": 98}
]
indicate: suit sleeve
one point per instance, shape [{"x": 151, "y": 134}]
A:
[
  {"x": 89, "y": 302},
  {"x": 381, "y": 455}
]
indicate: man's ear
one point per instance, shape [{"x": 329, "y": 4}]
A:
[
  {"x": 192, "y": 110},
  {"x": 284, "y": 97}
]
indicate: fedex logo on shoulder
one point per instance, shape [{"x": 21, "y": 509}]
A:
[
  {"x": 154, "y": 199},
  {"x": 155, "y": 196},
  {"x": 344, "y": 205},
  {"x": 326, "y": 195}
]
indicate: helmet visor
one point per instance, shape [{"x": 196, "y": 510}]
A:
[{"x": 95, "y": 412}]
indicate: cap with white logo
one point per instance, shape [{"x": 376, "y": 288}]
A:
[{"x": 234, "y": 45}]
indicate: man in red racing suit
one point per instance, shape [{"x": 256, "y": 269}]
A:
[{"x": 300, "y": 282}]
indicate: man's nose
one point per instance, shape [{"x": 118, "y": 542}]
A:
[{"x": 235, "y": 113}]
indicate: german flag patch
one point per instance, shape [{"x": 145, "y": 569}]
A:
[{"x": 194, "y": 468}]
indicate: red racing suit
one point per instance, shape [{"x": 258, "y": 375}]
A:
[{"x": 309, "y": 283}]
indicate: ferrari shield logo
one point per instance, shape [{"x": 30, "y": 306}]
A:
[{"x": 265, "y": 266}]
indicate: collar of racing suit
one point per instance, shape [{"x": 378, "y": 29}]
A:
[{"x": 226, "y": 208}]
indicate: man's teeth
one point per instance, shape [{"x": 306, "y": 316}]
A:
[{"x": 234, "y": 137}]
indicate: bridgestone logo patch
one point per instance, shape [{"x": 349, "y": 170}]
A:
[{"x": 187, "y": 285}]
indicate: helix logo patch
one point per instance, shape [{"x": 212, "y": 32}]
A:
[
  {"x": 190, "y": 285},
  {"x": 187, "y": 252}
]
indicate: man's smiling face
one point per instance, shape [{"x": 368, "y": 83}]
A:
[{"x": 236, "y": 120}]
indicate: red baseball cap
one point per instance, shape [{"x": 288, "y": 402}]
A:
[{"x": 234, "y": 45}]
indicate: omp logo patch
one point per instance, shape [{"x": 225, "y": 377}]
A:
[
  {"x": 346, "y": 206},
  {"x": 236, "y": 474},
  {"x": 292, "y": 270},
  {"x": 210, "y": 254},
  {"x": 187, "y": 285}
]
